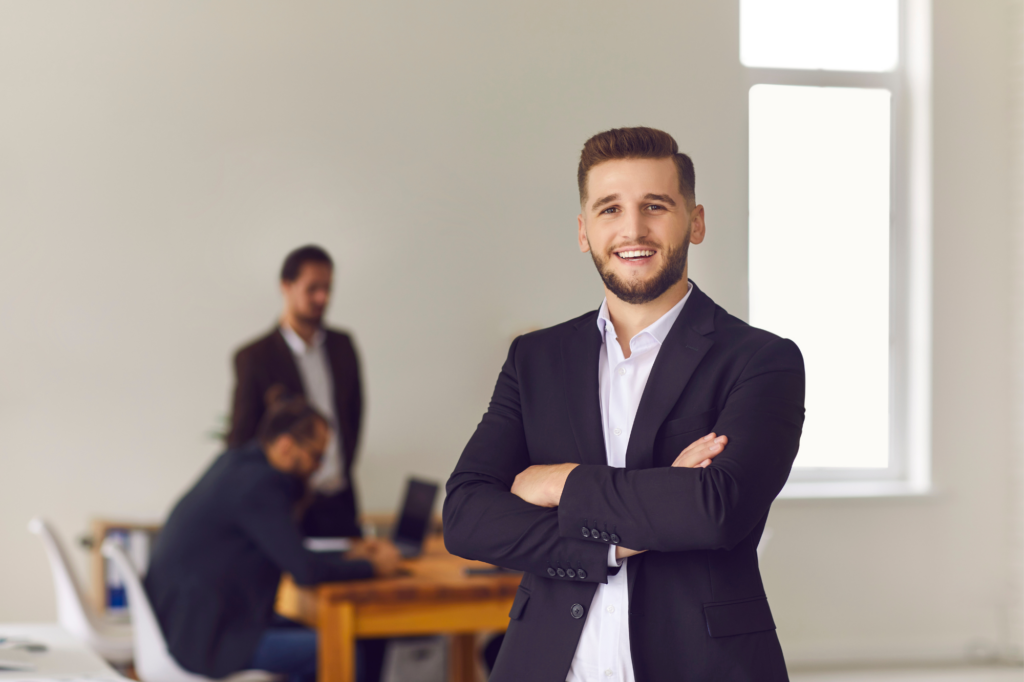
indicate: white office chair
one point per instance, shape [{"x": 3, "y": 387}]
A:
[
  {"x": 112, "y": 641},
  {"x": 153, "y": 662}
]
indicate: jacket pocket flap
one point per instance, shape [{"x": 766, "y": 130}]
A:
[
  {"x": 522, "y": 596},
  {"x": 696, "y": 422},
  {"x": 738, "y": 617}
]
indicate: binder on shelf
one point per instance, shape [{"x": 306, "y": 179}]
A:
[{"x": 136, "y": 543}]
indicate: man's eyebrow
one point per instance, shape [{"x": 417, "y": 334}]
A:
[
  {"x": 660, "y": 197},
  {"x": 604, "y": 200}
]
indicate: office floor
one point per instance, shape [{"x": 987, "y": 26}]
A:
[{"x": 987, "y": 674}]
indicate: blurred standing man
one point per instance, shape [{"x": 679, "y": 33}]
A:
[
  {"x": 639, "y": 552},
  {"x": 319, "y": 363}
]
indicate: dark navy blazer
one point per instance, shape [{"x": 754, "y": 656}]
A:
[
  {"x": 217, "y": 562},
  {"x": 697, "y": 607}
]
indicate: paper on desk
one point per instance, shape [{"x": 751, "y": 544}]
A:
[
  {"x": 327, "y": 544},
  {"x": 18, "y": 666}
]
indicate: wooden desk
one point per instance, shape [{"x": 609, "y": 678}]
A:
[{"x": 438, "y": 598}]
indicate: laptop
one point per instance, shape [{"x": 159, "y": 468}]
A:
[{"x": 414, "y": 521}]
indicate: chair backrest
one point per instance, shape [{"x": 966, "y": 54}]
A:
[
  {"x": 153, "y": 662},
  {"x": 73, "y": 612}
]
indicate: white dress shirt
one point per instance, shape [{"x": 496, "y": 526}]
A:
[
  {"x": 318, "y": 382},
  {"x": 603, "y": 651}
]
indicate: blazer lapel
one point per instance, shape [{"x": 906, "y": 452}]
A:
[
  {"x": 581, "y": 350},
  {"x": 684, "y": 348},
  {"x": 285, "y": 371}
]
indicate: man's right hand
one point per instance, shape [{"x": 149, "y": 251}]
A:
[
  {"x": 698, "y": 454},
  {"x": 701, "y": 452},
  {"x": 381, "y": 553}
]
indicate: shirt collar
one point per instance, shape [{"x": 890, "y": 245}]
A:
[
  {"x": 659, "y": 329},
  {"x": 296, "y": 343}
]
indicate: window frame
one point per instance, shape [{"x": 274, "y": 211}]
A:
[{"x": 909, "y": 82}]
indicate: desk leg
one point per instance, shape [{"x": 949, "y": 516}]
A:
[
  {"x": 463, "y": 658},
  {"x": 336, "y": 644}
]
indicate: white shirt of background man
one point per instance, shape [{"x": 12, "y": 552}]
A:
[
  {"x": 315, "y": 372},
  {"x": 603, "y": 651}
]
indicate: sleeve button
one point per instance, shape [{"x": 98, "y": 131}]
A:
[
  {"x": 586, "y": 533},
  {"x": 581, "y": 574},
  {"x": 615, "y": 539},
  {"x": 551, "y": 572},
  {"x": 571, "y": 573},
  {"x": 605, "y": 537},
  {"x": 595, "y": 533},
  {"x": 561, "y": 573}
]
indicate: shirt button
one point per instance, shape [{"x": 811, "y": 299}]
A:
[
  {"x": 608, "y": 673},
  {"x": 622, "y": 371},
  {"x": 617, "y": 432},
  {"x": 610, "y": 609}
]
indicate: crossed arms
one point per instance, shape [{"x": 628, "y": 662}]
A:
[{"x": 502, "y": 509}]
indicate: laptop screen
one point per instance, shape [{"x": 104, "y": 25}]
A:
[{"x": 416, "y": 512}]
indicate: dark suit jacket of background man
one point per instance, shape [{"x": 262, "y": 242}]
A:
[
  {"x": 217, "y": 562},
  {"x": 268, "y": 361},
  {"x": 697, "y": 607}
]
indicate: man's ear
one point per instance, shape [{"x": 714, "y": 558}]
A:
[
  {"x": 697, "y": 224},
  {"x": 582, "y": 236}
]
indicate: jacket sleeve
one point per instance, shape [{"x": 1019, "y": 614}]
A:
[
  {"x": 484, "y": 521},
  {"x": 678, "y": 509},
  {"x": 264, "y": 513},
  {"x": 355, "y": 400},
  {"x": 247, "y": 401}
]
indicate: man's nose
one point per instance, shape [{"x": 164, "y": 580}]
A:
[{"x": 634, "y": 226}]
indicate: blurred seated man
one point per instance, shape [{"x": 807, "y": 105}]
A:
[{"x": 216, "y": 564}]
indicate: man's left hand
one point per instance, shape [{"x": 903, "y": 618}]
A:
[{"x": 541, "y": 484}]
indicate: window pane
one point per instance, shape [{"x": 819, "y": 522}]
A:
[
  {"x": 838, "y": 35},
  {"x": 819, "y": 257}
]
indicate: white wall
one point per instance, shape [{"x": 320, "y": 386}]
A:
[{"x": 158, "y": 160}]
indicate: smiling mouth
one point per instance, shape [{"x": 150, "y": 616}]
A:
[{"x": 635, "y": 255}]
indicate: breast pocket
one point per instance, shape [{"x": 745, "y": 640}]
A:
[{"x": 697, "y": 425}]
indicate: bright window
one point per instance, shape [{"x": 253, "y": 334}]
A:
[
  {"x": 839, "y": 231},
  {"x": 837, "y": 35},
  {"x": 819, "y": 256}
]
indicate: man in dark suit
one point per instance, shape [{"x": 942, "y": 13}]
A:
[
  {"x": 216, "y": 565},
  {"x": 300, "y": 354},
  {"x": 638, "y": 550}
]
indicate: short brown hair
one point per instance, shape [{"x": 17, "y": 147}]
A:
[
  {"x": 311, "y": 253},
  {"x": 635, "y": 143},
  {"x": 287, "y": 414}
]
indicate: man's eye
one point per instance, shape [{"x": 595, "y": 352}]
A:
[
  {"x": 656, "y": 207},
  {"x": 609, "y": 209}
]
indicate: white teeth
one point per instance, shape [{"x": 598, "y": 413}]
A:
[{"x": 635, "y": 254}]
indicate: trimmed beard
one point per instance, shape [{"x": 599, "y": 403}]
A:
[
  {"x": 637, "y": 291},
  {"x": 314, "y": 321}
]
